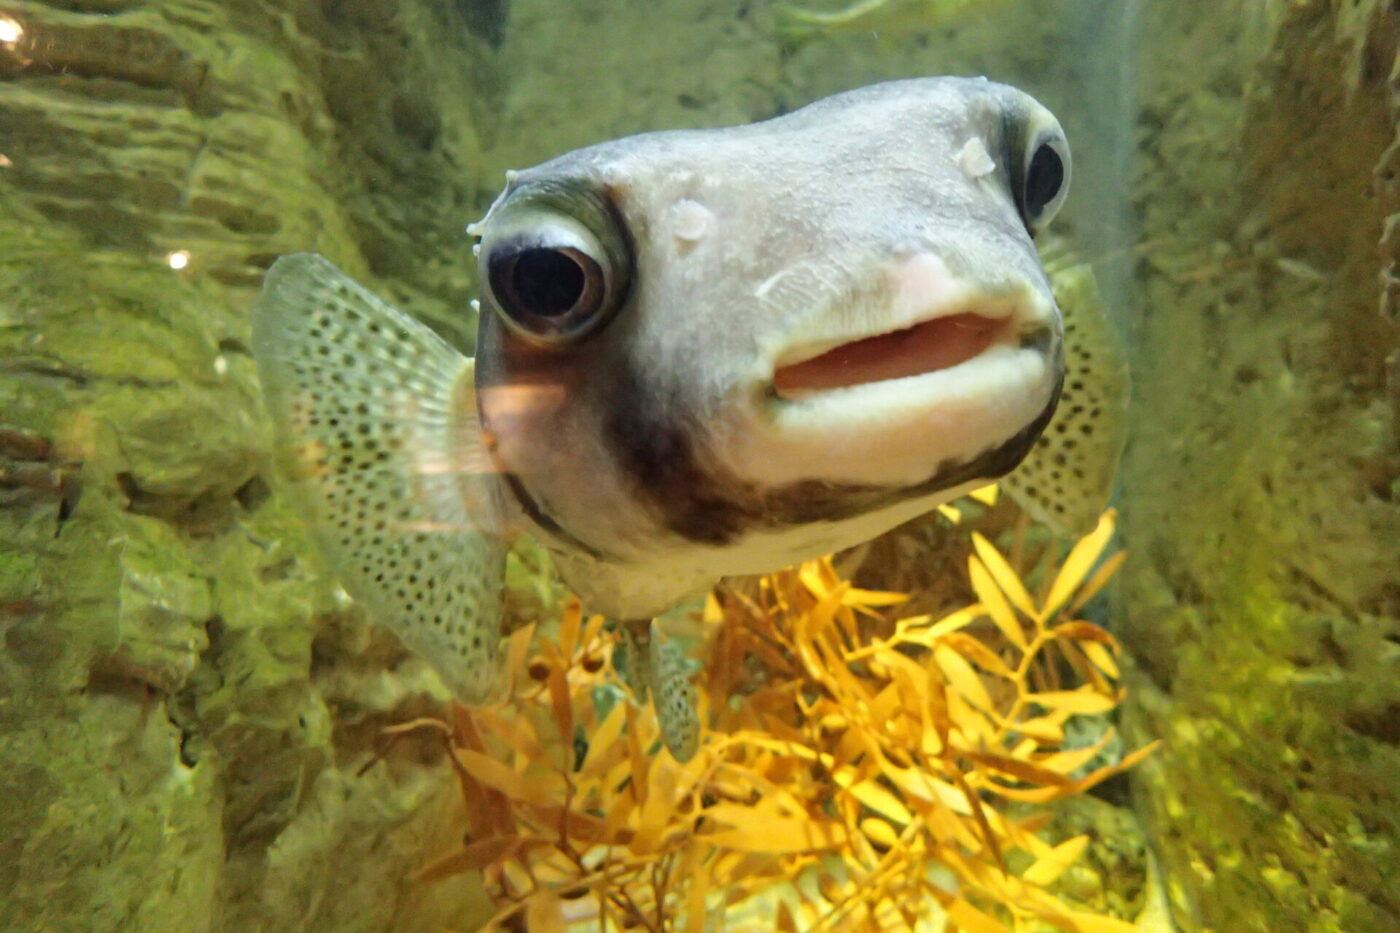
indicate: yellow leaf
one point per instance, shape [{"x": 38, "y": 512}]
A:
[
  {"x": 569, "y": 628},
  {"x": 593, "y": 629},
  {"x": 620, "y": 812},
  {"x": 1098, "y": 581},
  {"x": 604, "y": 749},
  {"x": 1083, "y": 700},
  {"x": 572, "y": 823},
  {"x": 916, "y": 629},
  {"x": 811, "y": 576},
  {"x": 978, "y": 653},
  {"x": 952, "y": 622},
  {"x": 994, "y": 602},
  {"x": 874, "y": 598},
  {"x": 1044, "y": 729},
  {"x": 763, "y": 740},
  {"x": 921, "y": 785},
  {"x": 541, "y": 789},
  {"x": 517, "y": 650},
  {"x": 545, "y": 913},
  {"x": 1101, "y": 657},
  {"x": 1123, "y": 764},
  {"x": 519, "y": 734},
  {"x": 697, "y": 887},
  {"x": 561, "y": 705},
  {"x": 778, "y": 836},
  {"x": 987, "y": 495},
  {"x": 971, "y": 920},
  {"x": 962, "y": 677},
  {"x": 1077, "y": 566},
  {"x": 880, "y": 833},
  {"x": 965, "y": 719},
  {"x": 871, "y": 794},
  {"x": 1027, "y": 771},
  {"x": 635, "y": 757},
  {"x": 474, "y": 856},
  {"x": 951, "y": 513},
  {"x": 1053, "y": 863},
  {"x": 1005, "y": 577}
]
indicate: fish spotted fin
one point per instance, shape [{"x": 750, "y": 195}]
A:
[
  {"x": 653, "y": 664},
  {"x": 375, "y": 421},
  {"x": 1066, "y": 479},
  {"x": 673, "y": 695}
]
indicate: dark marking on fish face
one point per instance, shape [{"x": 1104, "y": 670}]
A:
[
  {"x": 544, "y": 521},
  {"x": 695, "y": 498},
  {"x": 656, "y": 448}
]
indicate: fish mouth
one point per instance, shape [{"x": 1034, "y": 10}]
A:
[
  {"x": 945, "y": 338},
  {"x": 926, "y": 347}
]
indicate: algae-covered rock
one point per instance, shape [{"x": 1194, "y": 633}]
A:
[
  {"x": 1261, "y": 600},
  {"x": 187, "y": 702}
]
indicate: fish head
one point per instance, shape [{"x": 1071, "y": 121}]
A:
[{"x": 757, "y": 343}]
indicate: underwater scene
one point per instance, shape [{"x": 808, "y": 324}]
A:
[{"x": 699, "y": 465}]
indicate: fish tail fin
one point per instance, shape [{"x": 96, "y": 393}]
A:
[{"x": 375, "y": 417}]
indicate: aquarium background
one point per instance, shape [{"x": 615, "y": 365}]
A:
[{"x": 186, "y": 699}]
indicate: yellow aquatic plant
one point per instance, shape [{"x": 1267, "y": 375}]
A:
[{"x": 856, "y": 773}]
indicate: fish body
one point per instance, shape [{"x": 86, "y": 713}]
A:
[{"x": 699, "y": 353}]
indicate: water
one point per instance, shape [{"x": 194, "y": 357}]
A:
[{"x": 192, "y": 706}]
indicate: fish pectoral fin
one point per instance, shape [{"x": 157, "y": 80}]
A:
[
  {"x": 376, "y": 426},
  {"x": 673, "y": 695},
  {"x": 1066, "y": 479},
  {"x": 654, "y": 664}
]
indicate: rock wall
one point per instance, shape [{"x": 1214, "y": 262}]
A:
[
  {"x": 186, "y": 702},
  {"x": 1261, "y": 503}
]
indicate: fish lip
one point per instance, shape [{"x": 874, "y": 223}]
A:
[{"x": 1021, "y": 317}]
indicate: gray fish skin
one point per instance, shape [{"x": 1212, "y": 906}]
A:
[
  {"x": 700, "y": 353},
  {"x": 658, "y": 444}
]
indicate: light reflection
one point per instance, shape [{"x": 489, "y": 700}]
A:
[
  {"x": 5, "y": 161},
  {"x": 10, "y": 30},
  {"x": 178, "y": 259}
]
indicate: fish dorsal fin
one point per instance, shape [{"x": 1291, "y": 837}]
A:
[
  {"x": 376, "y": 425},
  {"x": 1066, "y": 479}
]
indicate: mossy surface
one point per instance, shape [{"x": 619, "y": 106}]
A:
[
  {"x": 186, "y": 699},
  {"x": 1259, "y": 489}
]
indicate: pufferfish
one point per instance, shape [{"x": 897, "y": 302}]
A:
[{"x": 699, "y": 353}]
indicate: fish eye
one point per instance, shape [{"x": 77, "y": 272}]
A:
[
  {"x": 554, "y": 263},
  {"x": 543, "y": 288},
  {"x": 1045, "y": 181}
]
